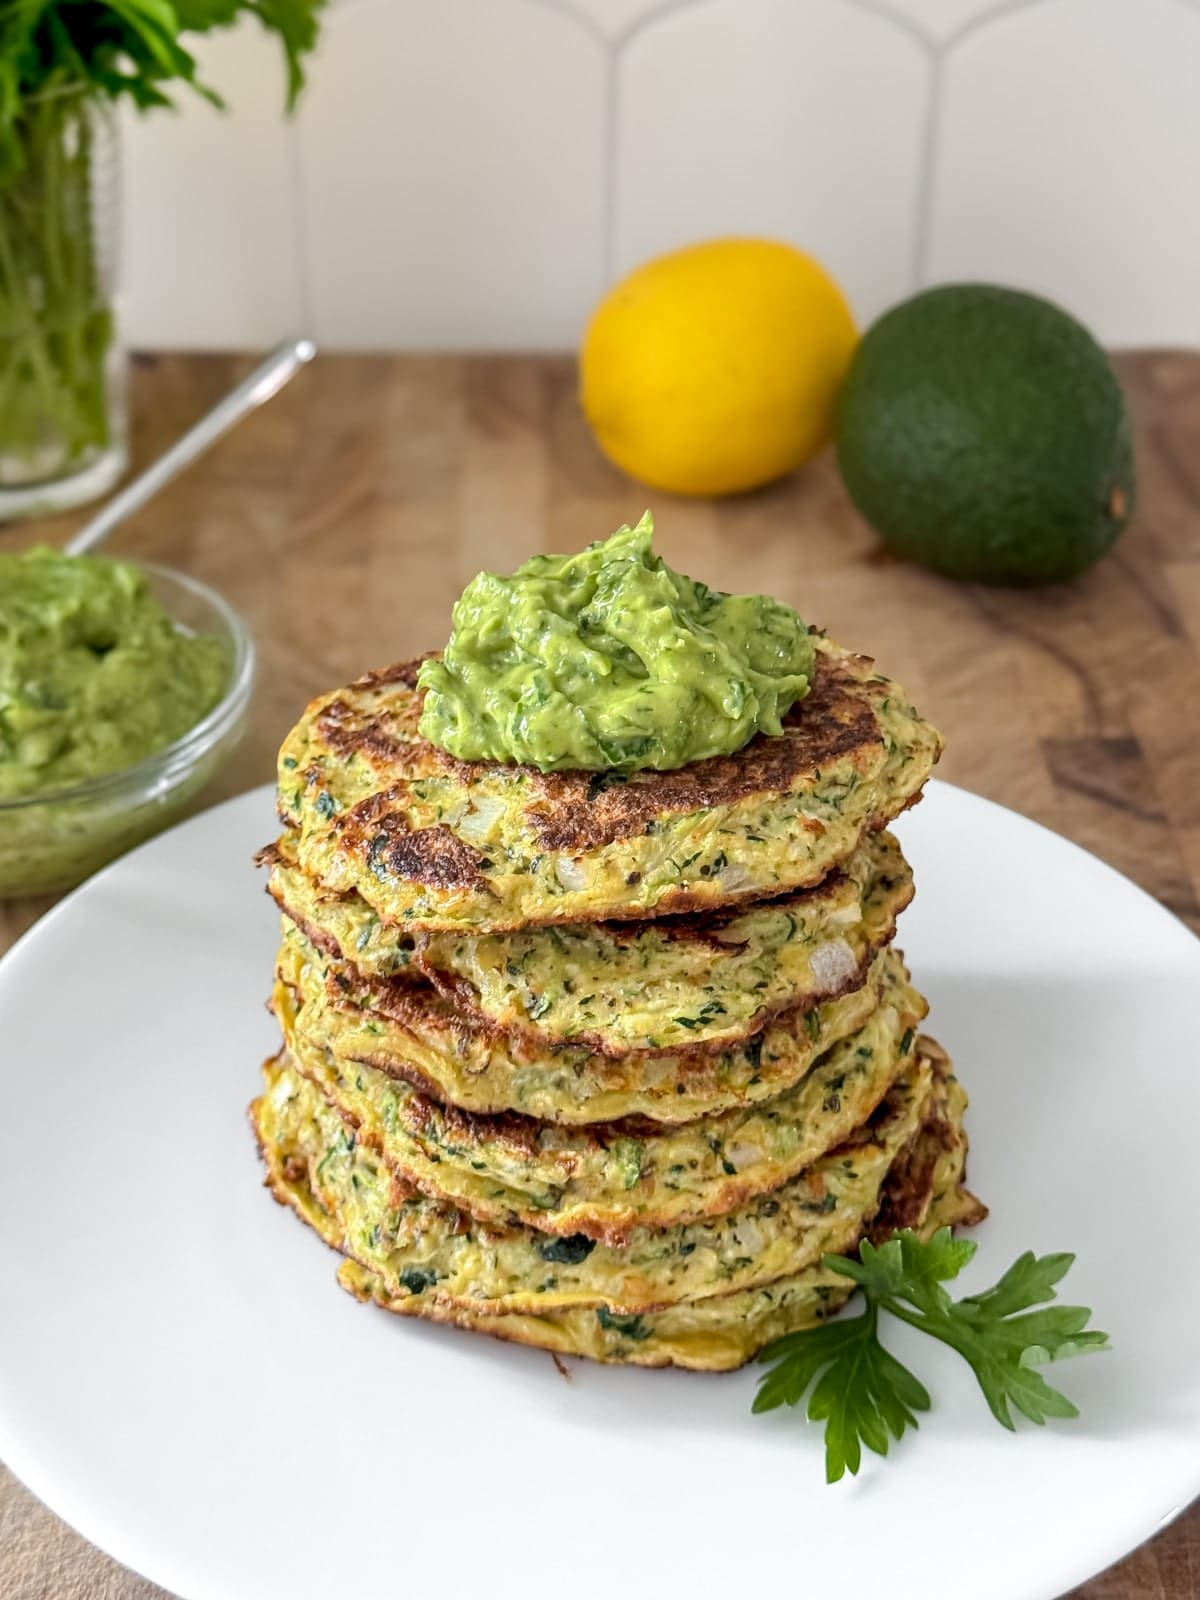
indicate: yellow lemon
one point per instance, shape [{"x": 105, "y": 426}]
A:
[{"x": 716, "y": 368}]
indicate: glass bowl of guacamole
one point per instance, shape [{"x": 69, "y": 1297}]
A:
[{"x": 123, "y": 689}]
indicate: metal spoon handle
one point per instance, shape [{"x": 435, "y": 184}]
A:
[{"x": 266, "y": 380}]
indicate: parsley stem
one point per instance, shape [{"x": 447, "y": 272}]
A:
[{"x": 55, "y": 329}]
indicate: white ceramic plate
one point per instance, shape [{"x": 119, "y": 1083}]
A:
[{"x": 182, "y": 1379}]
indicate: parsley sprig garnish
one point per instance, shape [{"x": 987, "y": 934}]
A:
[{"x": 864, "y": 1396}]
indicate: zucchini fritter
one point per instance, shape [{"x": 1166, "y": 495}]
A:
[
  {"x": 603, "y": 1181},
  {"x": 605, "y": 1062},
  {"x": 716, "y": 1331},
  {"x": 711, "y": 978},
  {"x": 460, "y": 1261},
  {"x": 414, "y": 1034},
  {"x": 434, "y": 843}
]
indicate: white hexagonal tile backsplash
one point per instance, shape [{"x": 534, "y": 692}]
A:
[
  {"x": 472, "y": 173},
  {"x": 765, "y": 117},
  {"x": 1067, "y": 160}
]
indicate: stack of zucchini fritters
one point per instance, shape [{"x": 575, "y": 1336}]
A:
[{"x": 597, "y": 1063}]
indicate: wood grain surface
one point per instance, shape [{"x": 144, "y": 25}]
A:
[{"x": 343, "y": 520}]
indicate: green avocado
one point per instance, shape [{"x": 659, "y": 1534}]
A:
[{"x": 982, "y": 432}]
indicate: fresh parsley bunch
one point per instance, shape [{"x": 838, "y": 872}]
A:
[
  {"x": 865, "y": 1396},
  {"x": 128, "y": 48},
  {"x": 57, "y": 59}
]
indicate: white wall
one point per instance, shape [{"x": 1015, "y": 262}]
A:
[{"x": 471, "y": 173}]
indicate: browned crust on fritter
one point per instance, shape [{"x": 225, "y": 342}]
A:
[
  {"x": 343, "y": 730},
  {"x": 435, "y": 856},
  {"x": 463, "y": 1001},
  {"x": 695, "y": 927},
  {"x": 404, "y": 1072},
  {"x": 317, "y": 937},
  {"x": 444, "y": 1309},
  {"x": 406, "y": 996},
  {"x": 908, "y": 1192},
  {"x": 906, "y": 1200},
  {"x": 405, "y": 1182},
  {"x": 938, "y": 1058},
  {"x": 411, "y": 1001},
  {"x": 578, "y": 814},
  {"x": 432, "y": 1298},
  {"x": 404, "y": 672},
  {"x": 510, "y": 1129},
  {"x": 675, "y": 902},
  {"x": 704, "y": 927},
  {"x": 400, "y": 1188},
  {"x": 520, "y": 1135},
  {"x": 293, "y": 1169},
  {"x": 579, "y": 811},
  {"x": 971, "y": 1210}
]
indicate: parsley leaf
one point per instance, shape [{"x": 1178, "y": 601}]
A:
[
  {"x": 125, "y": 47},
  {"x": 862, "y": 1394},
  {"x": 865, "y": 1396}
]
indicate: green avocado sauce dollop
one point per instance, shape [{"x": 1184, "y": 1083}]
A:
[
  {"x": 94, "y": 674},
  {"x": 611, "y": 660}
]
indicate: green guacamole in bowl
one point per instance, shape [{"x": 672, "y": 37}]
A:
[{"x": 121, "y": 690}]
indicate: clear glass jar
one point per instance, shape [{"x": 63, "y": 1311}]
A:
[
  {"x": 50, "y": 842},
  {"x": 63, "y": 423}
]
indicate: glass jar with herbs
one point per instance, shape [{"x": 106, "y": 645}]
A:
[
  {"x": 64, "y": 66},
  {"x": 62, "y": 409}
]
